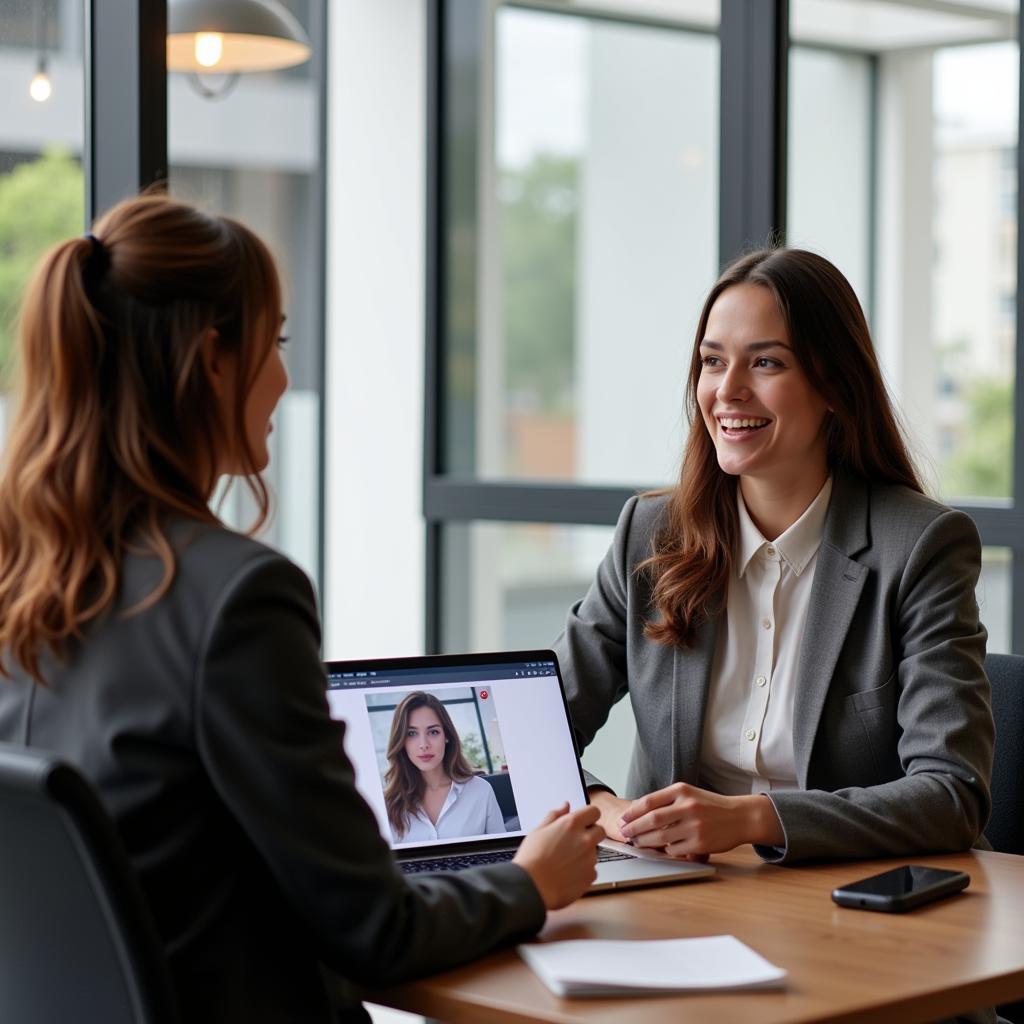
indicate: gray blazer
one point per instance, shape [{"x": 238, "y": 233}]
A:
[
  {"x": 892, "y": 727},
  {"x": 203, "y": 723}
]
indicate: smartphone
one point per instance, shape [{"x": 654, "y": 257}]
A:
[{"x": 901, "y": 889}]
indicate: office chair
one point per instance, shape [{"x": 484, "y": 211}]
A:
[
  {"x": 1005, "y": 829},
  {"x": 501, "y": 783},
  {"x": 76, "y": 939}
]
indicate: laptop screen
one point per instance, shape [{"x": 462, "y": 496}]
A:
[{"x": 452, "y": 749}]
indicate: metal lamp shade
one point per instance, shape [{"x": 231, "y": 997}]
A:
[{"x": 256, "y": 35}]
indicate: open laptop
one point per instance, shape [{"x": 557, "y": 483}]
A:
[{"x": 512, "y": 722}]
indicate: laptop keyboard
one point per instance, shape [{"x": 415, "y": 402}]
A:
[
  {"x": 471, "y": 860},
  {"x": 458, "y": 862}
]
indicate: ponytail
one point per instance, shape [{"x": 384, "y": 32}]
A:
[{"x": 116, "y": 424}]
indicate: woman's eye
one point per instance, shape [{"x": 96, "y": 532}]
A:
[
  {"x": 764, "y": 363},
  {"x": 710, "y": 361},
  {"x": 282, "y": 340}
]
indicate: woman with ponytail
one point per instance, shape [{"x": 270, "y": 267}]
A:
[
  {"x": 176, "y": 662},
  {"x": 794, "y": 622}
]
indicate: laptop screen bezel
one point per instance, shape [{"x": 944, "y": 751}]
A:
[{"x": 434, "y": 662}]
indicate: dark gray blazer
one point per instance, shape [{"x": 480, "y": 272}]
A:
[
  {"x": 203, "y": 723},
  {"x": 892, "y": 727}
]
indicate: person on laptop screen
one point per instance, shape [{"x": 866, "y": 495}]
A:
[
  {"x": 177, "y": 662},
  {"x": 430, "y": 790},
  {"x": 794, "y": 621}
]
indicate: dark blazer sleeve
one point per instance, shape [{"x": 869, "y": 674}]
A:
[
  {"x": 275, "y": 758},
  {"x": 944, "y": 736}
]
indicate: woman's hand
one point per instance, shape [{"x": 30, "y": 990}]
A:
[
  {"x": 612, "y": 809},
  {"x": 689, "y": 822},
  {"x": 560, "y": 854}
]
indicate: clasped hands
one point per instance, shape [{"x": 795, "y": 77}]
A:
[{"x": 687, "y": 822}]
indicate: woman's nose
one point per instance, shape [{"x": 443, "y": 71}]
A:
[{"x": 734, "y": 384}]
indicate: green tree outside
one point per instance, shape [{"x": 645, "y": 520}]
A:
[
  {"x": 41, "y": 203},
  {"x": 539, "y": 224},
  {"x": 981, "y": 467}
]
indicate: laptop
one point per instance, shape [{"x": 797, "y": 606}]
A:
[{"x": 490, "y": 734}]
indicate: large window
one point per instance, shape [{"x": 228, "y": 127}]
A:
[
  {"x": 596, "y": 219},
  {"x": 42, "y": 192},
  {"x": 596, "y": 165}
]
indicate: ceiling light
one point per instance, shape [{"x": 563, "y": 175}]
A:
[
  {"x": 209, "y": 48},
  {"x": 40, "y": 88},
  {"x": 230, "y": 36}
]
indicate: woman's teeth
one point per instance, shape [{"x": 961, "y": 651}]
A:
[{"x": 742, "y": 424}]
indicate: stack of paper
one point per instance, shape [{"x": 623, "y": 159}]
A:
[{"x": 596, "y": 967}]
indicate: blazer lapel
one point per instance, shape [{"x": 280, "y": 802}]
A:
[
  {"x": 838, "y": 583},
  {"x": 691, "y": 679}
]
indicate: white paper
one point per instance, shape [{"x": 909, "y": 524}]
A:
[{"x": 602, "y": 967}]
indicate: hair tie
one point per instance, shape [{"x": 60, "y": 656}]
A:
[{"x": 98, "y": 260}]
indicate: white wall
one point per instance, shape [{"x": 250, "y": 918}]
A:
[{"x": 375, "y": 269}]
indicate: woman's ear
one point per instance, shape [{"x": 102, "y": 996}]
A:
[{"x": 213, "y": 362}]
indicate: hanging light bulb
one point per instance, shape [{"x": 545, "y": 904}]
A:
[
  {"x": 228, "y": 36},
  {"x": 40, "y": 88},
  {"x": 209, "y": 49}
]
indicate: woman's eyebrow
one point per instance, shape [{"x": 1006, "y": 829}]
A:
[{"x": 754, "y": 346}]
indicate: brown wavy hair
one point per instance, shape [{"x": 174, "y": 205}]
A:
[
  {"x": 403, "y": 782},
  {"x": 692, "y": 556},
  {"x": 116, "y": 422}
]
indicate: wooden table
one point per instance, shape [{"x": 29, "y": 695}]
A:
[{"x": 844, "y": 965}]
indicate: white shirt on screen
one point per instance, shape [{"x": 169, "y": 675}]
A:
[
  {"x": 470, "y": 809},
  {"x": 747, "y": 744}
]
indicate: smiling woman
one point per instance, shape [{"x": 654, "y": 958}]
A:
[{"x": 794, "y": 621}]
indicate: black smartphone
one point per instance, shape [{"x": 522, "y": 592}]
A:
[{"x": 901, "y": 889}]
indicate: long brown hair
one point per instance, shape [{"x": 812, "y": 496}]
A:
[
  {"x": 116, "y": 422},
  {"x": 403, "y": 783},
  {"x": 692, "y": 557}
]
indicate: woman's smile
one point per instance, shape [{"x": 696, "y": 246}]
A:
[{"x": 741, "y": 428}]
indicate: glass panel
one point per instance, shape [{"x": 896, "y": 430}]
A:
[
  {"x": 830, "y": 125},
  {"x": 597, "y": 237},
  {"x": 509, "y": 586},
  {"x": 250, "y": 147},
  {"x": 903, "y": 171},
  {"x": 42, "y": 191},
  {"x": 994, "y": 597}
]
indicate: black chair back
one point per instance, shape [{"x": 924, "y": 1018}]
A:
[
  {"x": 1005, "y": 829},
  {"x": 76, "y": 939}
]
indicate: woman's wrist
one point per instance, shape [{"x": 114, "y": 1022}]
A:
[
  {"x": 763, "y": 825},
  {"x": 599, "y": 795}
]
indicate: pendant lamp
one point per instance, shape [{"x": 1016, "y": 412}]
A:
[{"x": 232, "y": 36}]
